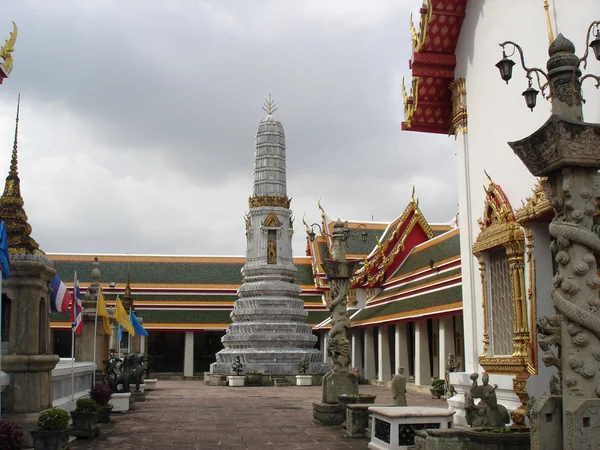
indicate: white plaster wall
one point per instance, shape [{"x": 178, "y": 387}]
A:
[{"x": 497, "y": 114}]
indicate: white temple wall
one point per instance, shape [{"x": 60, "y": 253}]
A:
[{"x": 497, "y": 114}]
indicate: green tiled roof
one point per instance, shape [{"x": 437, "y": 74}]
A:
[
  {"x": 356, "y": 246},
  {"x": 439, "y": 251},
  {"x": 438, "y": 298},
  {"x": 164, "y": 272},
  {"x": 316, "y": 317},
  {"x": 419, "y": 282}
]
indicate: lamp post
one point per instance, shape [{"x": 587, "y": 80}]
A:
[
  {"x": 567, "y": 151},
  {"x": 339, "y": 271}
]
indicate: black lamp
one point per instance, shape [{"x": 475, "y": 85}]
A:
[
  {"x": 595, "y": 44},
  {"x": 312, "y": 235},
  {"x": 530, "y": 95},
  {"x": 505, "y": 66}
]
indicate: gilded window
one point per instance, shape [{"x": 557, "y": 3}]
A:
[{"x": 501, "y": 300}]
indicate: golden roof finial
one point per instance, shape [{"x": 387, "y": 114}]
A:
[
  {"x": 412, "y": 195},
  {"x": 548, "y": 23},
  {"x": 269, "y": 106},
  {"x": 7, "y": 49},
  {"x": 305, "y": 224}
]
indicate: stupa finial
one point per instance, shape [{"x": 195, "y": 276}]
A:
[
  {"x": 548, "y": 23},
  {"x": 269, "y": 107}
]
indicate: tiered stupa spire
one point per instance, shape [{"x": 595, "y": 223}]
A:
[
  {"x": 269, "y": 331},
  {"x": 11, "y": 205},
  {"x": 127, "y": 298}
]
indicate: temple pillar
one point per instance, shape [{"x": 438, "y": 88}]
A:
[
  {"x": 369, "y": 352},
  {"x": 435, "y": 349},
  {"x": 357, "y": 351},
  {"x": 446, "y": 345},
  {"x": 401, "y": 348},
  {"x": 422, "y": 369},
  {"x": 384, "y": 371},
  {"x": 188, "y": 358}
]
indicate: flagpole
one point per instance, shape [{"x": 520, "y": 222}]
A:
[
  {"x": 74, "y": 312},
  {"x": 95, "y": 332}
]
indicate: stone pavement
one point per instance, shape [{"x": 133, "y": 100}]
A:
[{"x": 190, "y": 415}]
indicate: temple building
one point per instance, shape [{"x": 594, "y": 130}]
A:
[{"x": 456, "y": 90}]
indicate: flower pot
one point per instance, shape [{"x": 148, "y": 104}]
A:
[
  {"x": 436, "y": 393},
  {"x": 120, "y": 401},
  {"x": 236, "y": 380},
  {"x": 254, "y": 379},
  {"x": 50, "y": 439},
  {"x": 150, "y": 383},
  {"x": 84, "y": 421},
  {"x": 499, "y": 439},
  {"x": 303, "y": 380},
  {"x": 104, "y": 414}
]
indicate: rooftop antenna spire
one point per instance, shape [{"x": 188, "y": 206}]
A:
[
  {"x": 270, "y": 107},
  {"x": 14, "y": 170},
  {"x": 548, "y": 23}
]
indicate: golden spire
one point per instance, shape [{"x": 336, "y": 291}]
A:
[
  {"x": 7, "y": 49},
  {"x": 548, "y": 23},
  {"x": 127, "y": 299},
  {"x": 412, "y": 195},
  {"x": 269, "y": 106},
  {"x": 11, "y": 205}
]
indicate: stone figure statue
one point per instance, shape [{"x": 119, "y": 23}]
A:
[
  {"x": 399, "y": 388},
  {"x": 487, "y": 412},
  {"x": 125, "y": 372},
  {"x": 452, "y": 365}
]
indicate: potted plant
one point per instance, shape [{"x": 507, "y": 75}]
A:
[
  {"x": 11, "y": 435},
  {"x": 302, "y": 379},
  {"x": 52, "y": 432},
  {"x": 237, "y": 379},
  {"x": 85, "y": 418},
  {"x": 149, "y": 382},
  {"x": 437, "y": 387},
  {"x": 254, "y": 378},
  {"x": 101, "y": 394}
]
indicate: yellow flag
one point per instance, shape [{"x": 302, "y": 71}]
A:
[
  {"x": 103, "y": 312},
  {"x": 123, "y": 318}
]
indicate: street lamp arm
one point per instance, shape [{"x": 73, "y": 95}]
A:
[
  {"x": 583, "y": 63},
  {"x": 528, "y": 70},
  {"x": 595, "y": 77},
  {"x": 583, "y": 59}
]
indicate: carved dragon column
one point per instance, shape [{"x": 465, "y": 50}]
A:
[{"x": 565, "y": 149}]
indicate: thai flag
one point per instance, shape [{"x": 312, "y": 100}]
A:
[
  {"x": 60, "y": 298},
  {"x": 76, "y": 308}
]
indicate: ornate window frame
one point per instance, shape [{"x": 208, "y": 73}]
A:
[{"x": 499, "y": 228}]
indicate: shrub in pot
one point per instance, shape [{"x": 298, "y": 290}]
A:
[
  {"x": 101, "y": 394},
  {"x": 85, "y": 417},
  {"x": 11, "y": 435},
  {"x": 52, "y": 432},
  {"x": 437, "y": 387}
]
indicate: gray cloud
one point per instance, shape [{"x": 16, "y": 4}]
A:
[{"x": 155, "y": 104}]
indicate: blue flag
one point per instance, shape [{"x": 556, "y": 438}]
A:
[
  {"x": 119, "y": 332},
  {"x": 4, "y": 256},
  {"x": 137, "y": 326}
]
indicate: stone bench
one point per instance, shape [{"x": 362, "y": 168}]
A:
[
  {"x": 394, "y": 427},
  {"x": 357, "y": 419}
]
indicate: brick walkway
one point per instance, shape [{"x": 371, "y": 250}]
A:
[{"x": 191, "y": 415}]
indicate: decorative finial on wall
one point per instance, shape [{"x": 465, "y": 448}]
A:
[
  {"x": 7, "y": 49},
  {"x": 270, "y": 107}
]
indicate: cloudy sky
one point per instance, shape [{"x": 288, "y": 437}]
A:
[{"x": 138, "y": 118}]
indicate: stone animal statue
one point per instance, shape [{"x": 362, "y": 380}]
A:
[
  {"x": 487, "y": 412},
  {"x": 125, "y": 371}
]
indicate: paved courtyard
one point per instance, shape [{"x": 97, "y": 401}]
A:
[{"x": 191, "y": 415}]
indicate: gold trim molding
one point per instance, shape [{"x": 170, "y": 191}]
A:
[
  {"x": 459, "y": 106},
  {"x": 499, "y": 228},
  {"x": 267, "y": 200},
  {"x": 535, "y": 206}
]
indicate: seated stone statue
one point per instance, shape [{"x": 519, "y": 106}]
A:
[
  {"x": 399, "y": 388},
  {"x": 487, "y": 412}
]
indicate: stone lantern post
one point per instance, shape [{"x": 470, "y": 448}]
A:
[{"x": 566, "y": 151}]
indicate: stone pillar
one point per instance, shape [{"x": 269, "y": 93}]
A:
[
  {"x": 384, "y": 370},
  {"x": 357, "y": 351},
  {"x": 188, "y": 359},
  {"x": 422, "y": 369},
  {"x": 446, "y": 346},
  {"x": 323, "y": 337},
  {"x": 369, "y": 352},
  {"x": 29, "y": 361},
  {"x": 401, "y": 348},
  {"x": 435, "y": 332}
]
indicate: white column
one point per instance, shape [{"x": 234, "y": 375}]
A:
[
  {"x": 446, "y": 337},
  {"x": 357, "y": 351},
  {"x": 437, "y": 356},
  {"x": 369, "y": 352},
  {"x": 422, "y": 372},
  {"x": 324, "y": 336},
  {"x": 384, "y": 371},
  {"x": 401, "y": 348},
  {"x": 188, "y": 358}
]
